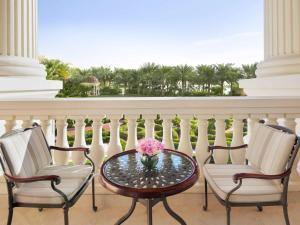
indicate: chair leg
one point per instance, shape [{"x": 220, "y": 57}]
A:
[
  {"x": 10, "y": 216},
  {"x": 95, "y": 208},
  {"x": 286, "y": 215},
  {"x": 205, "y": 196},
  {"x": 259, "y": 208},
  {"x": 228, "y": 209},
  {"x": 66, "y": 215}
]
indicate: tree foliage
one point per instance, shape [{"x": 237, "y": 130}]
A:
[{"x": 152, "y": 79}]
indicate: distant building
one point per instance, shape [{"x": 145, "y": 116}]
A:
[{"x": 93, "y": 82}]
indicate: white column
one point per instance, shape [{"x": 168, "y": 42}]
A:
[
  {"x": 61, "y": 157},
  {"x": 149, "y": 125},
  {"x": 202, "y": 141},
  {"x": 185, "y": 145},
  {"x": 97, "y": 147},
  {"x": 114, "y": 145},
  {"x": 279, "y": 73},
  {"x": 132, "y": 132},
  {"x": 20, "y": 71},
  {"x": 167, "y": 131},
  {"x": 79, "y": 141},
  {"x": 220, "y": 156},
  {"x": 238, "y": 156}
]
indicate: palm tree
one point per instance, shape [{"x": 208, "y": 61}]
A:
[
  {"x": 206, "y": 77},
  {"x": 185, "y": 74},
  {"x": 56, "y": 69},
  {"x": 249, "y": 71}
]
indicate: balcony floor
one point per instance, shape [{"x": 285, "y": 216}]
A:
[{"x": 189, "y": 206}]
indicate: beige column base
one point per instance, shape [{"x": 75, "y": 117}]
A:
[{"x": 287, "y": 85}]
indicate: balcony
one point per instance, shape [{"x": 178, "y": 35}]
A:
[{"x": 52, "y": 114}]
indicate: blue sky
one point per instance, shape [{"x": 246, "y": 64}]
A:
[{"x": 128, "y": 33}]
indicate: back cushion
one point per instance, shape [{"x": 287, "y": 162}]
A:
[
  {"x": 25, "y": 152},
  {"x": 277, "y": 153},
  {"x": 260, "y": 138}
]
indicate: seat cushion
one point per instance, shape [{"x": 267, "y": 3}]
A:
[
  {"x": 25, "y": 152},
  {"x": 260, "y": 138},
  {"x": 220, "y": 180},
  {"x": 67, "y": 172},
  {"x": 42, "y": 193}
]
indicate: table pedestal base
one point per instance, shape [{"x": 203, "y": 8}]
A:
[{"x": 150, "y": 203}]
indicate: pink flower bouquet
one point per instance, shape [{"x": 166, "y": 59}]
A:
[{"x": 150, "y": 147}]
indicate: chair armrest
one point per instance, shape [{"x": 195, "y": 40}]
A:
[
  {"x": 239, "y": 176},
  {"x": 213, "y": 147},
  {"x": 76, "y": 149},
  {"x": 53, "y": 178}
]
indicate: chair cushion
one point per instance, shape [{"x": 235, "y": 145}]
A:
[
  {"x": 67, "y": 172},
  {"x": 260, "y": 138},
  {"x": 277, "y": 152},
  {"x": 42, "y": 193},
  {"x": 26, "y": 152},
  {"x": 220, "y": 180}
]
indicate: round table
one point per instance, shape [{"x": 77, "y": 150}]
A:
[{"x": 124, "y": 174}]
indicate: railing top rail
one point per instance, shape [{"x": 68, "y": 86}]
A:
[{"x": 151, "y": 105}]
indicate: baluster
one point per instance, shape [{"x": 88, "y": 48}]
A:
[
  {"x": 27, "y": 122},
  {"x": 114, "y": 145},
  {"x": 202, "y": 140},
  {"x": 251, "y": 122},
  {"x": 132, "y": 132},
  {"x": 10, "y": 124},
  {"x": 78, "y": 157},
  {"x": 47, "y": 127},
  {"x": 238, "y": 156},
  {"x": 60, "y": 157},
  {"x": 220, "y": 156},
  {"x": 290, "y": 123},
  {"x": 185, "y": 145},
  {"x": 167, "y": 132},
  {"x": 149, "y": 125},
  {"x": 271, "y": 119},
  {"x": 97, "y": 147}
]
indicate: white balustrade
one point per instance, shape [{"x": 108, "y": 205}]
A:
[
  {"x": 185, "y": 145},
  {"x": 283, "y": 111},
  {"x": 97, "y": 147},
  {"x": 114, "y": 145},
  {"x": 61, "y": 157},
  {"x": 238, "y": 156},
  {"x": 167, "y": 139},
  {"x": 149, "y": 125},
  {"x": 220, "y": 155},
  {"x": 132, "y": 132},
  {"x": 79, "y": 141}
]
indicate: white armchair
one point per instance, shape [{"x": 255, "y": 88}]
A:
[
  {"x": 263, "y": 179},
  {"x": 32, "y": 179}
]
